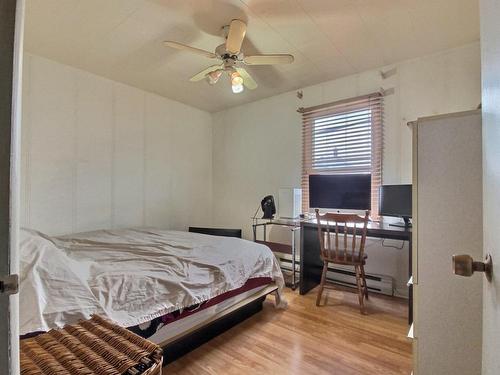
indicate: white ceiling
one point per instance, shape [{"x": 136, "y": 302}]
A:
[{"x": 121, "y": 39}]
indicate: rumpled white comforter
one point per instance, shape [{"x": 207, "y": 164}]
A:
[{"x": 132, "y": 275}]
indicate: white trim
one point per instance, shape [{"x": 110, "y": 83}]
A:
[{"x": 15, "y": 179}]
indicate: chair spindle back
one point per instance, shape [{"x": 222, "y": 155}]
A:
[{"x": 343, "y": 225}]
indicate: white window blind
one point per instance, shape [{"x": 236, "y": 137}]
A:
[{"x": 343, "y": 137}]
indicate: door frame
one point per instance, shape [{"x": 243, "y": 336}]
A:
[{"x": 11, "y": 60}]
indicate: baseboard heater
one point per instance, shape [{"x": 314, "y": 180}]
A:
[{"x": 345, "y": 276}]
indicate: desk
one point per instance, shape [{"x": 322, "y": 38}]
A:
[
  {"x": 310, "y": 260},
  {"x": 293, "y": 226}
]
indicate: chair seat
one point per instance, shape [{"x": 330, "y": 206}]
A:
[{"x": 348, "y": 259}]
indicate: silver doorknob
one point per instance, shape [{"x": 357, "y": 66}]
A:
[{"x": 464, "y": 265}]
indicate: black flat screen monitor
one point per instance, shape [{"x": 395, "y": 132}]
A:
[
  {"x": 340, "y": 191},
  {"x": 395, "y": 200}
]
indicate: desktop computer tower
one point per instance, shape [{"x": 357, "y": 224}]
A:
[{"x": 289, "y": 203}]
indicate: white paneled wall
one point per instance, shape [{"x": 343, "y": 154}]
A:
[
  {"x": 99, "y": 154},
  {"x": 128, "y": 157},
  {"x": 94, "y": 153}
]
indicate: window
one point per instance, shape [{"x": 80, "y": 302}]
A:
[{"x": 344, "y": 137}]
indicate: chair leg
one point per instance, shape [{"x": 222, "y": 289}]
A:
[
  {"x": 360, "y": 289},
  {"x": 364, "y": 280},
  {"x": 322, "y": 283}
]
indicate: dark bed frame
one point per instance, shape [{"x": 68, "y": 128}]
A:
[{"x": 185, "y": 344}]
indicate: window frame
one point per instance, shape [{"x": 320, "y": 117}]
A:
[{"x": 373, "y": 103}]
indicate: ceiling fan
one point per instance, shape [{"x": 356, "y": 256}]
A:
[{"x": 232, "y": 58}]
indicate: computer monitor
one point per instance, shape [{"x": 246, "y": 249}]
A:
[
  {"x": 340, "y": 191},
  {"x": 395, "y": 200}
]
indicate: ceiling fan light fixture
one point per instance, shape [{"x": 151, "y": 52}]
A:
[
  {"x": 236, "y": 79},
  {"x": 237, "y": 88},
  {"x": 236, "y": 82},
  {"x": 213, "y": 77}
]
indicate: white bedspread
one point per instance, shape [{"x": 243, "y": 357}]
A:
[{"x": 130, "y": 275}]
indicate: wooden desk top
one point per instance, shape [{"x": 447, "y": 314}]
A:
[{"x": 375, "y": 229}]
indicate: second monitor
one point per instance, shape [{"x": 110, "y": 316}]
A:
[{"x": 396, "y": 200}]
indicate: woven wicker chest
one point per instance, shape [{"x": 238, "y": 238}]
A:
[{"x": 94, "y": 346}]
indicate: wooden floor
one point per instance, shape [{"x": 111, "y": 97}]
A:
[{"x": 305, "y": 339}]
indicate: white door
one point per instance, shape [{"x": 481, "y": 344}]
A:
[
  {"x": 447, "y": 148},
  {"x": 11, "y": 30},
  {"x": 490, "y": 61}
]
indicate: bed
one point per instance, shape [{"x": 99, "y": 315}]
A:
[{"x": 177, "y": 289}]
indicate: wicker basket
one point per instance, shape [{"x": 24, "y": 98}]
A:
[{"x": 94, "y": 346}]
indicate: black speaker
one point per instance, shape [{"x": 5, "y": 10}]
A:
[{"x": 268, "y": 207}]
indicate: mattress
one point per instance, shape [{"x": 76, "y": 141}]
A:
[
  {"x": 164, "y": 328},
  {"x": 131, "y": 276}
]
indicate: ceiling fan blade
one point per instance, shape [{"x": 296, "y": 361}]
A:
[
  {"x": 184, "y": 47},
  {"x": 235, "y": 36},
  {"x": 201, "y": 75},
  {"x": 248, "y": 81},
  {"x": 268, "y": 59}
]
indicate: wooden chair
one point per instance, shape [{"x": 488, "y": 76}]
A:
[{"x": 335, "y": 249}]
